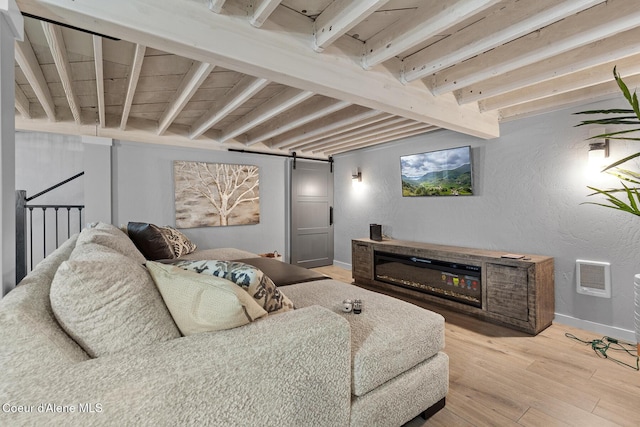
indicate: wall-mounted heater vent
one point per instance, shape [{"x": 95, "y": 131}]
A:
[{"x": 593, "y": 278}]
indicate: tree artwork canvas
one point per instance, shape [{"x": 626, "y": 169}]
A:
[{"x": 215, "y": 194}]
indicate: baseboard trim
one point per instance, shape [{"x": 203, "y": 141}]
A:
[
  {"x": 610, "y": 331},
  {"x": 598, "y": 328},
  {"x": 342, "y": 265}
]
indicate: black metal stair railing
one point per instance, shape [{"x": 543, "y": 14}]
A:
[{"x": 25, "y": 228}]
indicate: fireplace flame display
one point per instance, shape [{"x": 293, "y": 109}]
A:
[{"x": 450, "y": 280}]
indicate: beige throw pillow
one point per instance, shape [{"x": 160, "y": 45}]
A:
[
  {"x": 112, "y": 237},
  {"x": 108, "y": 302},
  {"x": 203, "y": 303}
]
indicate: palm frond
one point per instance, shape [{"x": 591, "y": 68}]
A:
[
  {"x": 625, "y": 139},
  {"x": 632, "y": 99},
  {"x": 612, "y": 207},
  {"x": 621, "y": 161},
  {"x": 616, "y": 203},
  {"x": 632, "y": 202},
  {"x": 630, "y": 196},
  {"x": 610, "y": 190},
  {"x": 628, "y": 179},
  {"x": 611, "y": 135},
  {"x": 629, "y": 120},
  {"x": 626, "y": 175},
  {"x": 610, "y": 111}
]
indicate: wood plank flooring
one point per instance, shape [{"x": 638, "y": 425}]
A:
[{"x": 501, "y": 377}]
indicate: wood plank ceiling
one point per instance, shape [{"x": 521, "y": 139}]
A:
[{"x": 315, "y": 77}]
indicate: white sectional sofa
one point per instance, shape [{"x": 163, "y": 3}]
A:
[{"x": 312, "y": 366}]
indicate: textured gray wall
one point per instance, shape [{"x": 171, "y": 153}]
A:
[
  {"x": 42, "y": 160},
  {"x": 97, "y": 179},
  {"x": 529, "y": 184},
  {"x": 143, "y": 191}
]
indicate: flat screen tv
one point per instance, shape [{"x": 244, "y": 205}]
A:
[{"x": 446, "y": 172}]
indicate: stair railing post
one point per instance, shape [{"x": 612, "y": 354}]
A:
[{"x": 21, "y": 235}]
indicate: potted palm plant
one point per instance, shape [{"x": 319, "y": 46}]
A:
[{"x": 627, "y": 197}]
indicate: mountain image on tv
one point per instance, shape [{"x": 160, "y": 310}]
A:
[{"x": 437, "y": 173}]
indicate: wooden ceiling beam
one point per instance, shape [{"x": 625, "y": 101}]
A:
[
  {"x": 246, "y": 88},
  {"x": 338, "y": 131},
  {"x": 514, "y": 20},
  {"x": 568, "y": 99},
  {"x": 22, "y": 103},
  {"x": 53, "y": 34},
  {"x": 599, "y": 22},
  {"x": 99, "y": 65},
  {"x": 292, "y": 119},
  {"x": 138, "y": 130},
  {"x": 350, "y": 134},
  {"x": 192, "y": 80},
  {"x": 430, "y": 19},
  {"x": 262, "y": 9},
  {"x": 134, "y": 76},
  {"x": 590, "y": 77},
  {"x": 216, "y": 5},
  {"x": 339, "y": 17},
  {"x": 288, "y": 98},
  {"x": 610, "y": 49},
  {"x": 26, "y": 59},
  {"x": 279, "y": 52},
  {"x": 333, "y": 124},
  {"x": 383, "y": 139},
  {"x": 408, "y": 130},
  {"x": 385, "y": 127}
]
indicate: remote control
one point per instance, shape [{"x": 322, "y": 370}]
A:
[{"x": 357, "y": 306}]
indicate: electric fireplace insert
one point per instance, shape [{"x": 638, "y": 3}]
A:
[{"x": 450, "y": 280}]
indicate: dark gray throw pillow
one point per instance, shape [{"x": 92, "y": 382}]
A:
[{"x": 150, "y": 240}]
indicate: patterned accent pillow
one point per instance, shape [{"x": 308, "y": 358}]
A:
[
  {"x": 248, "y": 277},
  {"x": 180, "y": 243}
]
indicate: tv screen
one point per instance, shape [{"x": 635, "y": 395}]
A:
[{"x": 438, "y": 173}]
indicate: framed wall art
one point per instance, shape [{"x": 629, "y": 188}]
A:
[
  {"x": 216, "y": 194},
  {"x": 446, "y": 172}
]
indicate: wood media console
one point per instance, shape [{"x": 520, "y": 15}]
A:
[{"x": 516, "y": 291}]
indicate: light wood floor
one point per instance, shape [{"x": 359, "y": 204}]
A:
[{"x": 500, "y": 377}]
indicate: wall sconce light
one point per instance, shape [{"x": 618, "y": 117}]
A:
[
  {"x": 356, "y": 177},
  {"x": 598, "y": 150}
]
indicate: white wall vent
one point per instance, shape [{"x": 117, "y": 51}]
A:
[{"x": 593, "y": 278}]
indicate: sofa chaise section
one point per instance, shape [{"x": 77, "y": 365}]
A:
[
  {"x": 291, "y": 369},
  {"x": 398, "y": 368}
]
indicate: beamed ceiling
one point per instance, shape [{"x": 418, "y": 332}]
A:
[{"x": 315, "y": 77}]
